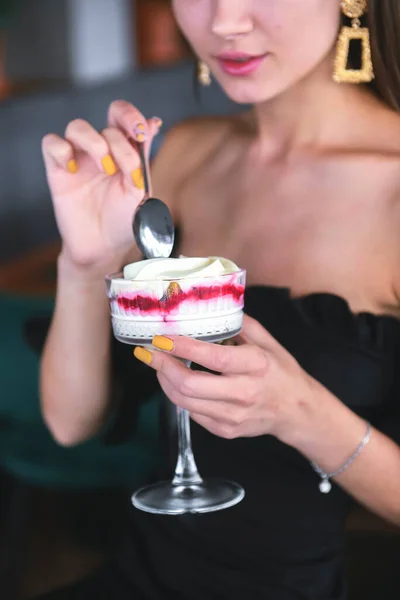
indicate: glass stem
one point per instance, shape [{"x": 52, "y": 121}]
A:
[{"x": 186, "y": 472}]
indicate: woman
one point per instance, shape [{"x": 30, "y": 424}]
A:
[{"x": 303, "y": 192}]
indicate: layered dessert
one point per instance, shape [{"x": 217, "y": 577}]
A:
[{"x": 198, "y": 297}]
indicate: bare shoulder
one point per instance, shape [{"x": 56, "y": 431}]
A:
[
  {"x": 184, "y": 148},
  {"x": 190, "y": 141},
  {"x": 389, "y": 136},
  {"x": 382, "y": 133},
  {"x": 373, "y": 154}
]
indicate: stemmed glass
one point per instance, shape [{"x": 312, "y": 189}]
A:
[{"x": 205, "y": 308}]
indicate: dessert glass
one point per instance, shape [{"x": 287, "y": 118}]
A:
[{"x": 206, "y": 308}]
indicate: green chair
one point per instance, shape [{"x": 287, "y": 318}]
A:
[{"x": 28, "y": 451}]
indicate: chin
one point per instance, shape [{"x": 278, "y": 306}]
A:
[{"x": 250, "y": 92}]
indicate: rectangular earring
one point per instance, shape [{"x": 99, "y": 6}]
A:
[{"x": 341, "y": 73}]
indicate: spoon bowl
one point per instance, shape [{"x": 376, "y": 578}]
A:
[
  {"x": 153, "y": 229},
  {"x": 153, "y": 226}
]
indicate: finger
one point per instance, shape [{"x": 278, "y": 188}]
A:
[
  {"x": 195, "y": 384},
  {"x": 218, "y": 428},
  {"x": 125, "y": 155},
  {"x": 86, "y": 139},
  {"x": 219, "y": 411},
  {"x": 154, "y": 124},
  {"x": 57, "y": 152},
  {"x": 223, "y": 359},
  {"x": 132, "y": 122}
]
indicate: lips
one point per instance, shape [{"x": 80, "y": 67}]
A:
[{"x": 240, "y": 64}]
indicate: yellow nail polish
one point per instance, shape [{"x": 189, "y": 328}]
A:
[
  {"x": 109, "y": 166},
  {"x": 163, "y": 343},
  {"x": 143, "y": 355},
  {"x": 137, "y": 178},
  {"x": 140, "y": 137},
  {"x": 141, "y": 127},
  {"x": 159, "y": 122},
  {"x": 72, "y": 166}
]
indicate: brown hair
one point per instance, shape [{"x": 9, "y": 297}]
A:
[{"x": 384, "y": 24}]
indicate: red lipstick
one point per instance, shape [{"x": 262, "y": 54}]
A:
[{"x": 239, "y": 64}]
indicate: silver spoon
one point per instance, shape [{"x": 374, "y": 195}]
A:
[{"x": 153, "y": 226}]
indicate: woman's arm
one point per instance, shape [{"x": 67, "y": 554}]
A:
[
  {"x": 75, "y": 367},
  {"x": 262, "y": 390},
  {"x": 330, "y": 435},
  {"x": 76, "y": 362}
]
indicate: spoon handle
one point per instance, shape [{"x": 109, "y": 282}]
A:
[{"x": 146, "y": 175}]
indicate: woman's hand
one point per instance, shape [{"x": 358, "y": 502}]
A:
[
  {"x": 96, "y": 184},
  {"x": 261, "y": 389}
]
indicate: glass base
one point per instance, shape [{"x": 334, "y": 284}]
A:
[
  {"x": 166, "y": 498},
  {"x": 214, "y": 338}
]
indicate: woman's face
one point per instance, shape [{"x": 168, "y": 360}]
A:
[{"x": 257, "y": 49}]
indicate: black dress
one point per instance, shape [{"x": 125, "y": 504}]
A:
[{"x": 285, "y": 540}]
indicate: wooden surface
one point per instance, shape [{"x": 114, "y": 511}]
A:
[{"x": 32, "y": 274}]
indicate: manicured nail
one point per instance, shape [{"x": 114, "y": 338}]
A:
[
  {"x": 138, "y": 179},
  {"x": 159, "y": 122},
  {"x": 163, "y": 343},
  {"x": 72, "y": 166},
  {"x": 109, "y": 166},
  {"x": 143, "y": 355},
  {"x": 139, "y": 132}
]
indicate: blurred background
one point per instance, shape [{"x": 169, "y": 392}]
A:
[
  {"x": 63, "y": 511},
  {"x": 60, "y": 59}
]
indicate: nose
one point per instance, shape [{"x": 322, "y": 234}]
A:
[{"x": 232, "y": 19}]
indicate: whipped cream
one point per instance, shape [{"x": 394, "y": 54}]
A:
[{"x": 179, "y": 268}]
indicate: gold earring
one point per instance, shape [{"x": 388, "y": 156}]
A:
[
  {"x": 354, "y": 10},
  {"x": 204, "y": 74}
]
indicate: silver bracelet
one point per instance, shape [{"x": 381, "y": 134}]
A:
[{"x": 325, "y": 485}]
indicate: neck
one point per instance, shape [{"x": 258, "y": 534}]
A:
[{"x": 315, "y": 111}]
